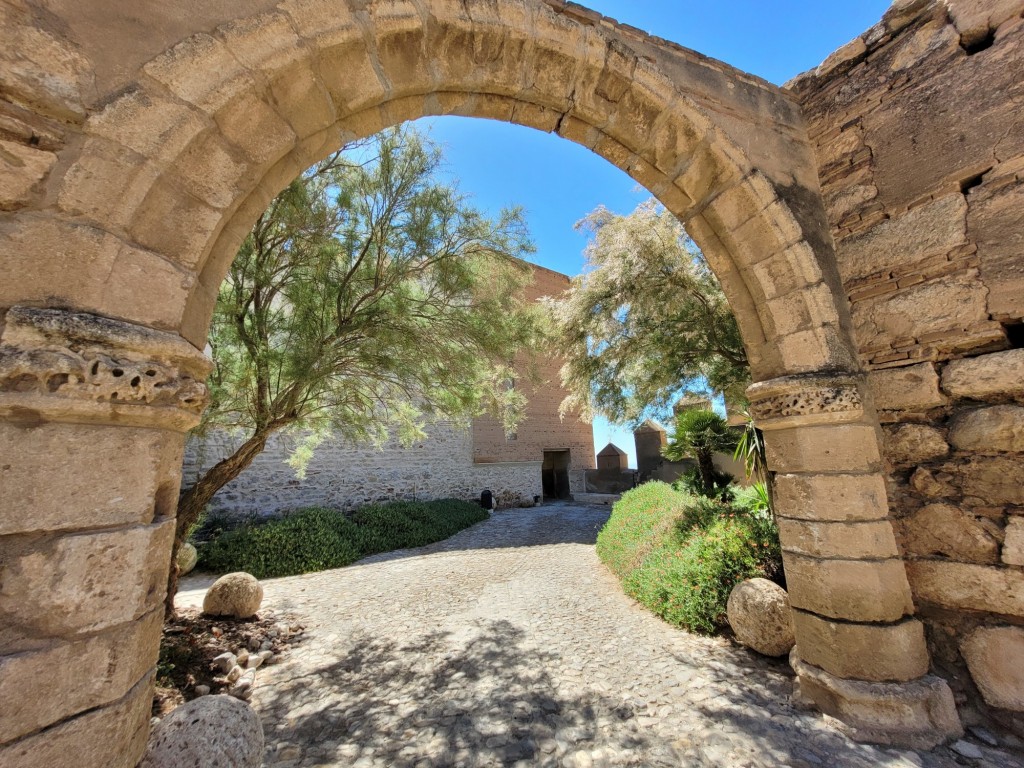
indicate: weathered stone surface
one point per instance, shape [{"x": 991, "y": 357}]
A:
[
  {"x": 918, "y": 714},
  {"x": 1013, "y": 544},
  {"x": 926, "y": 483},
  {"x": 234, "y": 594},
  {"x": 942, "y": 530},
  {"x": 965, "y": 585},
  {"x": 975, "y": 19},
  {"x": 759, "y": 614},
  {"x": 115, "y": 487},
  {"x": 914, "y": 387},
  {"x": 853, "y": 590},
  {"x": 872, "y": 539},
  {"x": 21, "y": 169},
  {"x": 210, "y": 730},
  {"x": 914, "y": 444},
  {"x": 186, "y": 559},
  {"x": 928, "y": 230},
  {"x": 86, "y": 582},
  {"x": 876, "y": 652},
  {"x": 992, "y": 224},
  {"x": 109, "y": 737},
  {"x": 831, "y": 497},
  {"x": 1000, "y": 428},
  {"x": 88, "y": 673},
  {"x": 946, "y": 304},
  {"x": 990, "y": 480},
  {"x": 995, "y": 657},
  {"x": 839, "y": 448},
  {"x": 999, "y": 374}
]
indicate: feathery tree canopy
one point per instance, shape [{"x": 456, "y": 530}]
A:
[
  {"x": 369, "y": 299},
  {"x": 645, "y": 321}
]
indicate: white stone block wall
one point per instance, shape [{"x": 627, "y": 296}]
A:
[{"x": 343, "y": 475}]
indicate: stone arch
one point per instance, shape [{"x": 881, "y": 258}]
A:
[{"x": 161, "y": 176}]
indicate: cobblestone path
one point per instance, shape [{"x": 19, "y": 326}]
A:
[{"x": 510, "y": 644}]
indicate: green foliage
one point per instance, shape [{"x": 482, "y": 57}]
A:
[
  {"x": 316, "y": 539},
  {"x": 692, "y": 483},
  {"x": 681, "y": 555},
  {"x": 646, "y": 319},
  {"x": 701, "y": 434}
]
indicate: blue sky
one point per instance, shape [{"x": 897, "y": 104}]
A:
[{"x": 558, "y": 182}]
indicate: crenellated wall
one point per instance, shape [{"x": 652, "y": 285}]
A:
[{"x": 918, "y": 127}]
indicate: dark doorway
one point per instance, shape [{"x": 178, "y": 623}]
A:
[{"x": 555, "y": 475}]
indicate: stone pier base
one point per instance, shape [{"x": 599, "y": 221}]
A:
[{"x": 919, "y": 714}]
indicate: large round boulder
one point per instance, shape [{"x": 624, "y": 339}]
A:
[
  {"x": 759, "y": 614},
  {"x": 235, "y": 594},
  {"x": 186, "y": 559},
  {"x": 210, "y": 730}
]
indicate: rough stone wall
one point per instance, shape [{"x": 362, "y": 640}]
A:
[
  {"x": 918, "y": 127},
  {"x": 343, "y": 475},
  {"x": 542, "y": 429}
]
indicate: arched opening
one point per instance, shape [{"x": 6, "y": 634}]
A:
[{"x": 158, "y": 187}]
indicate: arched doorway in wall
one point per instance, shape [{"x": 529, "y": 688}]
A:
[{"x": 159, "y": 181}]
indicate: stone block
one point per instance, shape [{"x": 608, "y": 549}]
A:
[
  {"x": 967, "y": 586},
  {"x": 856, "y": 540},
  {"x": 149, "y": 124},
  {"x": 949, "y": 303},
  {"x": 175, "y": 223},
  {"x": 256, "y": 128},
  {"x": 84, "y": 582},
  {"x": 1013, "y": 544},
  {"x": 350, "y": 77},
  {"x": 146, "y": 288},
  {"x": 86, "y": 673},
  {"x": 974, "y": 19},
  {"x": 928, "y": 230},
  {"x": 919, "y": 714},
  {"x": 186, "y": 70},
  {"x": 22, "y": 168},
  {"x": 929, "y": 485},
  {"x": 840, "y": 498},
  {"x": 914, "y": 444},
  {"x": 832, "y": 448},
  {"x": 1000, "y": 428},
  {"x": 995, "y": 658},
  {"x": 992, "y": 480},
  {"x": 109, "y": 737},
  {"x": 996, "y": 375},
  {"x": 875, "y": 652},
  {"x": 851, "y": 590},
  {"x": 942, "y": 530},
  {"x": 910, "y": 388},
  {"x": 51, "y": 260},
  {"x": 792, "y": 270},
  {"x": 993, "y": 223},
  {"x": 816, "y": 349},
  {"x": 112, "y": 482}
]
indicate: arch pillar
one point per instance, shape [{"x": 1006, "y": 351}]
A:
[
  {"x": 860, "y": 654},
  {"x": 93, "y": 416}
]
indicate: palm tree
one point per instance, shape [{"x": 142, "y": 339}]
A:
[{"x": 701, "y": 434}]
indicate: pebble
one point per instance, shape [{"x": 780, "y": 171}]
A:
[
  {"x": 234, "y": 674},
  {"x": 967, "y": 749},
  {"x": 224, "y": 662},
  {"x": 511, "y": 644},
  {"x": 985, "y": 735},
  {"x": 202, "y": 690}
]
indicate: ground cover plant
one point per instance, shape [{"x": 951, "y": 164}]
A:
[
  {"x": 680, "y": 555},
  {"x": 315, "y": 539}
]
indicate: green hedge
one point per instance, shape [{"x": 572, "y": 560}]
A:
[
  {"x": 316, "y": 539},
  {"x": 681, "y": 555}
]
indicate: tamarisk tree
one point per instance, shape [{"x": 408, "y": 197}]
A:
[
  {"x": 646, "y": 320},
  {"x": 368, "y": 299}
]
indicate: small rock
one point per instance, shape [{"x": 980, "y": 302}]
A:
[
  {"x": 255, "y": 662},
  {"x": 186, "y": 559},
  {"x": 202, "y": 690},
  {"x": 216, "y": 631},
  {"x": 234, "y": 674},
  {"x": 268, "y": 657},
  {"x": 266, "y": 645},
  {"x": 967, "y": 749},
  {"x": 212, "y": 730},
  {"x": 758, "y": 612},
  {"x": 154, "y": 722},
  {"x": 985, "y": 735},
  {"x": 234, "y": 594},
  {"x": 224, "y": 663},
  {"x": 242, "y": 657},
  {"x": 254, "y": 643},
  {"x": 243, "y": 688}
]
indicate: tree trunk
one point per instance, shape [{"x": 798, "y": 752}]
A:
[
  {"x": 706, "y": 467},
  {"x": 194, "y": 500}
]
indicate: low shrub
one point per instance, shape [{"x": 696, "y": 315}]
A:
[
  {"x": 316, "y": 539},
  {"x": 680, "y": 555}
]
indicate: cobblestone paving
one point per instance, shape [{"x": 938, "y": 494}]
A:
[{"x": 510, "y": 644}]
